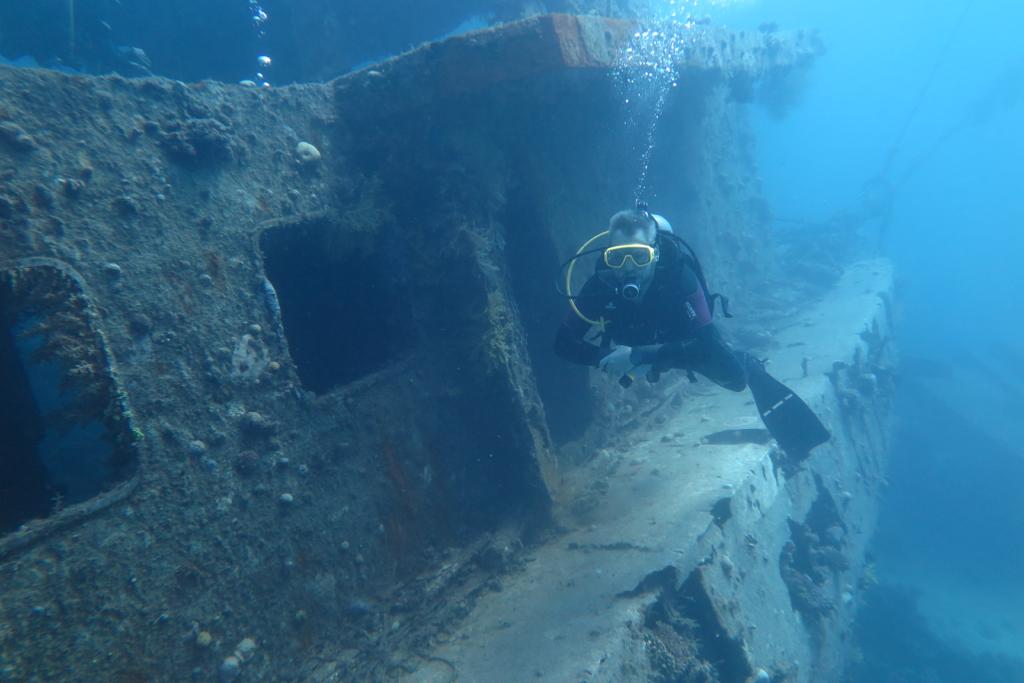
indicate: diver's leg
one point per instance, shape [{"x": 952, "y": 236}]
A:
[
  {"x": 793, "y": 424},
  {"x": 708, "y": 354},
  {"x": 720, "y": 363}
]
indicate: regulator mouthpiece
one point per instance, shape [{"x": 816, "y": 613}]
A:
[{"x": 630, "y": 291}]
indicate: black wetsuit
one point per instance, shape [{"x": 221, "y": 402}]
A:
[{"x": 673, "y": 314}]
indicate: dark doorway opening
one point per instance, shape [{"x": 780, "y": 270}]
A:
[
  {"x": 62, "y": 440},
  {"x": 342, "y": 307}
]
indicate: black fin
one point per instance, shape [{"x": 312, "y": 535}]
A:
[{"x": 791, "y": 421}]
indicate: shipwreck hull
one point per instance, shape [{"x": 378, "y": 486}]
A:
[{"x": 329, "y": 378}]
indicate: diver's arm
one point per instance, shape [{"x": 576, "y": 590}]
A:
[
  {"x": 569, "y": 341},
  {"x": 570, "y": 345},
  {"x": 663, "y": 357},
  {"x": 687, "y": 354}
]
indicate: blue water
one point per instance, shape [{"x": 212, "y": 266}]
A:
[{"x": 952, "y": 523}]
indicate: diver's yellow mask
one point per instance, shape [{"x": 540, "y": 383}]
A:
[{"x": 639, "y": 254}]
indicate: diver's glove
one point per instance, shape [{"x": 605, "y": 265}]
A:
[
  {"x": 646, "y": 365},
  {"x": 618, "y": 362},
  {"x": 637, "y": 371}
]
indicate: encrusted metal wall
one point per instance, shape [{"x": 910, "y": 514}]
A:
[{"x": 262, "y": 513}]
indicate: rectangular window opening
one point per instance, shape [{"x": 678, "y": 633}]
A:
[
  {"x": 342, "y": 308},
  {"x": 64, "y": 434}
]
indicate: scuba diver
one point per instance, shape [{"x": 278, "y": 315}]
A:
[{"x": 649, "y": 299}]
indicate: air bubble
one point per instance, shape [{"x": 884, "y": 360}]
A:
[
  {"x": 647, "y": 71},
  {"x": 259, "y": 18}
]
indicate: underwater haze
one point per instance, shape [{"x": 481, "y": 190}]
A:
[
  {"x": 905, "y": 140},
  {"x": 932, "y": 95}
]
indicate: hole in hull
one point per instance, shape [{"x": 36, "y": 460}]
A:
[
  {"x": 342, "y": 312},
  {"x": 63, "y": 437}
]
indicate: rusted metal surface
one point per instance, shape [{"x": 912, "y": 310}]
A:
[{"x": 542, "y": 46}]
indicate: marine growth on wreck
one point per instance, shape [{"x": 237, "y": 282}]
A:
[{"x": 341, "y": 346}]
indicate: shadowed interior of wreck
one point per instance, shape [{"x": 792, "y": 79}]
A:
[
  {"x": 24, "y": 487},
  {"x": 532, "y": 258},
  {"x": 342, "y": 312},
  {"x": 54, "y": 447},
  {"x": 348, "y": 311}
]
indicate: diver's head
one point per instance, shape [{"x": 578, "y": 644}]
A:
[{"x": 629, "y": 260}]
